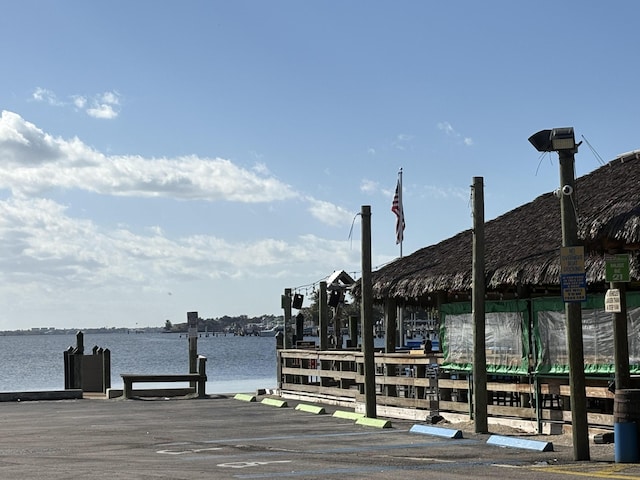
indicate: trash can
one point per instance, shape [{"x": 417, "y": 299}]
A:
[{"x": 626, "y": 425}]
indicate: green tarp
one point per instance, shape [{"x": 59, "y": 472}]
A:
[{"x": 510, "y": 337}]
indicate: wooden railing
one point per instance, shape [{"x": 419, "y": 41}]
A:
[{"x": 414, "y": 385}]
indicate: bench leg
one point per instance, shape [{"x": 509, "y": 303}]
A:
[
  {"x": 128, "y": 389},
  {"x": 201, "y": 388}
]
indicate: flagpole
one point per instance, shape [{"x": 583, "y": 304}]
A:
[
  {"x": 400, "y": 309},
  {"x": 400, "y": 193}
]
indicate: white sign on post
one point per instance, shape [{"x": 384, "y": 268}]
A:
[
  {"x": 612, "y": 301},
  {"x": 192, "y": 320}
]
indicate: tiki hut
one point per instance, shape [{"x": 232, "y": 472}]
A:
[{"x": 522, "y": 246}]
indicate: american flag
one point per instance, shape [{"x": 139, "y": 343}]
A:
[{"x": 396, "y": 207}]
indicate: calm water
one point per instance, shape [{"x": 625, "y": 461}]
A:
[{"x": 234, "y": 364}]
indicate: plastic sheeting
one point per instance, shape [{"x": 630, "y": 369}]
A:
[
  {"x": 550, "y": 336},
  {"x": 506, "y": 337},
  {"x": 508, "y": 332}
]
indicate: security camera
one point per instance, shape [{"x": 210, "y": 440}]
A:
[{"x": 567, "y": 190}]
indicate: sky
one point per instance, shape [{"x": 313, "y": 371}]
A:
[{"x": 158, "y": 158}]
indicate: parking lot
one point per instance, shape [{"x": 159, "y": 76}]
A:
[{"x": 225, "y": 438}]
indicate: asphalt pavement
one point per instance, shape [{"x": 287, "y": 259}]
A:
[{"x": 224, "y": 437}]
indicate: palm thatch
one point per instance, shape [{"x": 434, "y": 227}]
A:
[{"x": 522, "y": 246}]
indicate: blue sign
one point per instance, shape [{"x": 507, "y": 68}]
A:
[{"x": 574, "y": 287}]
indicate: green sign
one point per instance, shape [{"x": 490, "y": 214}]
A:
[{"x": 617, "y": 268}]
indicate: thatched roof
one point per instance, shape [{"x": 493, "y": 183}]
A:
[{"x": 522, "y": 246}]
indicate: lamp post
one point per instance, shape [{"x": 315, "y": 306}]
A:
[{"x": 562, "y": 140}]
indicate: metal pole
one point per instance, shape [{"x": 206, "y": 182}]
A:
[
  {"x": 478, "y": 313},
  {"x": 401, "y": 206},
  {"x": 573, "y": 317},
  {"x": 366, "y": 311}
]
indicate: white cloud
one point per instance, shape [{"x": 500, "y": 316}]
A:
[
  {"x": 329, "y": 213},
  {"x": 79, "y": 101},
  {"x": 56, "y": 269},
  {"x": 448, "y": 129},
  {"x": 402, "y": 140},
  {"x": 368, "y": 186},
  {"x": 103, "y": 105},
  {"x": 102, "y": 110},
  {"x": 42, "y": 241},
  {"x": 32, "y": 161},
  {"x": 47, "y": 96},
  {"x": 432, "y": 191}
]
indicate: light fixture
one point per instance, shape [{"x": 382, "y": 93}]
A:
[
  {"x": 297, "y": 300},
  {"x": 554, "y": 140}
]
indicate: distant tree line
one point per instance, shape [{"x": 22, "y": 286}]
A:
[
  {"x": 245, "y": 324},
  {"x": 226, "y": 324}
]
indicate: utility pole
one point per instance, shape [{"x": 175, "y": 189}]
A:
[
  {"x": 478, "y": 313},
  {"x": 573, "y": 313},
  {"x": 563, "y": 141}
]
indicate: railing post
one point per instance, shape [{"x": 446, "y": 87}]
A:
[
  {"x": 202, "y": 371},
  {"x": 106, "y": 369}
]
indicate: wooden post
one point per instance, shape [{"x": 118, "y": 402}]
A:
[
  {"x": 286, "y": 305},
  {"x": 621, "y": 340},
  {"x": 192, "y": 322},
  {"x": 106, "y": 369},
  {"x": 366, "y": 311},
  {"x": 68, "y": 368},
  {"x": 337, "y": 327},
  {"x": 202, "y": 370},
  {"x": 323, "y": 320},
  {"x": 353, "y": 331},
  {"x": 479, "y": 323},
  {"x": 390, "y": 324},
  {"x": 299, "y": 327},
  {"x": 391, "y": 315},
  {"x": 323, "y": 316},
  {"x": 79, "y": 343},
  {"x": 573, "y": 316},
  {"x": 77, "y": 360}
]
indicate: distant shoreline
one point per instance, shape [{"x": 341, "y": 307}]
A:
[{"x": 73, "y": 331}]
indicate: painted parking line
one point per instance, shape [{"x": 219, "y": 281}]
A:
[
  {"x": 615, "y": 471},
  {"x": 250, "y": 464},
  {"x": 183, "y": 451}
]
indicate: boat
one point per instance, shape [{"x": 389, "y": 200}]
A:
[{"x": 271, "y": 332}]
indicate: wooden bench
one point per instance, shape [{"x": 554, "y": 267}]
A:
[
  {"x": 130, "y": 378},
  {"x": 199, "y": 378}
]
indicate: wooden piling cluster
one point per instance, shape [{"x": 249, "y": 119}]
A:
[{"x": 90, "y": 373}]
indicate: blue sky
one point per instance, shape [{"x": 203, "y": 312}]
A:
[{"x": 164, "y": 157}]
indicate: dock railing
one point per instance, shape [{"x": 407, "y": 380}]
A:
[{"x": 415, "y": 385}]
